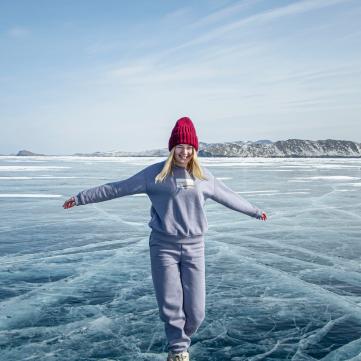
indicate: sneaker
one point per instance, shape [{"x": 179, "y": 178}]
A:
[{"x": 181, "y": 356}]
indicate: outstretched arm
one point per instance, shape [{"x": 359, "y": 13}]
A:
[
  {"x": 134, "y": 185},
  {"x": 226, "y": 196}
]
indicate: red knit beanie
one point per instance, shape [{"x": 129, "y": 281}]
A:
[{"x": 183, "y": 133}]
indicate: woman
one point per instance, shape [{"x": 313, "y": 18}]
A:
[{"x": 178, "y": 188}]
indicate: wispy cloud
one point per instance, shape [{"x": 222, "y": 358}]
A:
[
  {"x": 227, "y": 71},
  {"x": 315, "y": 75},
  {"x": 18, "y": 32},
  {"x": 259, "y": 19},
  {"x": 178, "y": 15},
  {"x": 224, "y": 13}
]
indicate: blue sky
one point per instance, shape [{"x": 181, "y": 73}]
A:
[{"x": 84, "y": 76}]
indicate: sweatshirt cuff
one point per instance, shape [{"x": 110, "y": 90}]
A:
[
  {"x": 77, "y": 203},
  {"x": 258, "y": 213}
]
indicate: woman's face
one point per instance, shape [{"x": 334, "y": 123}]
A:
[{"x": 183, "y": 153}]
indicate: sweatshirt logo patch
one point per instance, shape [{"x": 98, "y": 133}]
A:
[{"x": 185, "y": 183}]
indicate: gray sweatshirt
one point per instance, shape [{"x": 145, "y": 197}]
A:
[{"x": 177, "y": 208}]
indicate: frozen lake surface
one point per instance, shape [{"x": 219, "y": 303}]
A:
[{"x": 76, "y": 284}]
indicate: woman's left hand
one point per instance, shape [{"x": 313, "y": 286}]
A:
[{"x": 263, "y": 216}]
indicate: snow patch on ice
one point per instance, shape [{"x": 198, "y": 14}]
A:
[
  {"x": 332, "y": 177},
  {"x": 28, "y": 195},
  {"x": 32, "y": 168},
  {"x": 41, "y": 177}
]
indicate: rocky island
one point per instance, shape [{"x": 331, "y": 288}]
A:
[{"x": 290, "y": 148}]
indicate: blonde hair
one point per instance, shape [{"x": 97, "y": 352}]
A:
[{"x": 193, "y": 167}]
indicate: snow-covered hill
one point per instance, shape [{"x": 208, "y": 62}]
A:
[{"x": 290, "y": 148}]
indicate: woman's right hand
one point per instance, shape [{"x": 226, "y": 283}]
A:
[{"x": 69, "y": 203}]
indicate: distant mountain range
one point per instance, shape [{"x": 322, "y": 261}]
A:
[{"x": 290, "y": 148}]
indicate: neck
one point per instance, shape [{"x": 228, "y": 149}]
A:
[{"x": 180, "y": 165}]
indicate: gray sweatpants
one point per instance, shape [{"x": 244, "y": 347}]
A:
[{"x": 178, "y": 272}]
